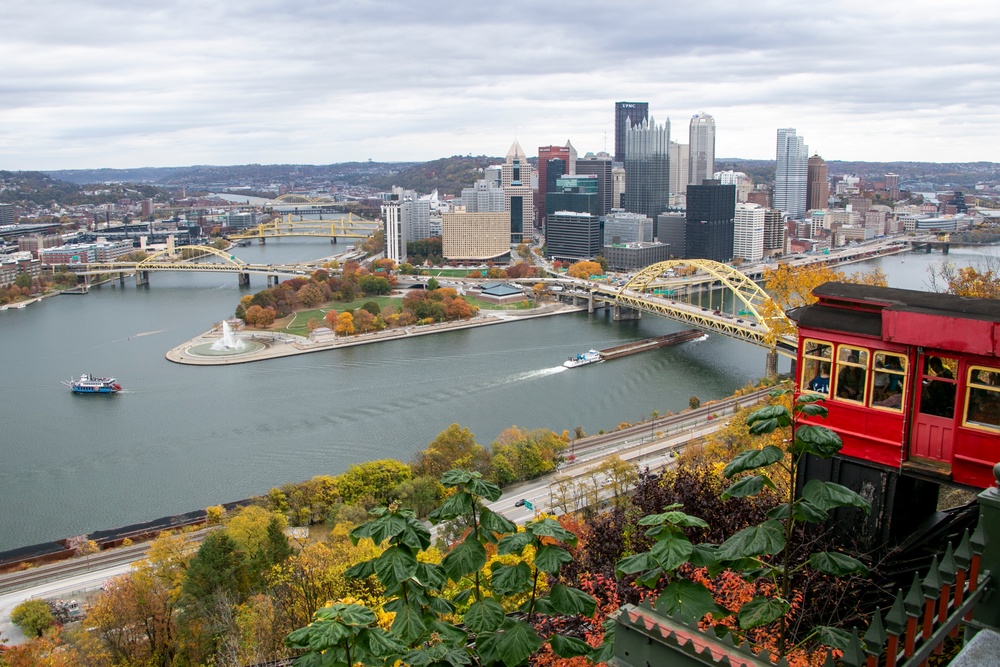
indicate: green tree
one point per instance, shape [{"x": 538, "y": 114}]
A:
[
  {"x": 373, "y": 482},
  {"x": 33, "y": 617},
  {"x": 215, "y": 569},
  {"x": 423, "y": 631},
  {"x": 433, "y": 284},
  {"x": 454, "y": 446}
]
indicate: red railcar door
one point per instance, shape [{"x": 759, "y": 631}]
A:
[{"x": 932, "y": 434}]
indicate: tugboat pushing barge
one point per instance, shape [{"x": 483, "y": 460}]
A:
[
  {"x": 88, "y": 384},
  {"x": 597, "y": 356}
]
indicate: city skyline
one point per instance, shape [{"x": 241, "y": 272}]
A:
[{"x": 113, "y": 84}]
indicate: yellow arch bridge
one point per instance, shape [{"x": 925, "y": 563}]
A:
[
  {"x": 703, "y": 293},
  {"x": 347, "y": 226},
  {"x": 190, "y": 259}
]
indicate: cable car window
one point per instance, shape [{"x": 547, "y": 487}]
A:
[
  {"x": 982, "y": 405},
  {"x": 852, "y": 373},
  {"x": 937, "y": 397},
  {"x": 816, "y": 358},
  {"x": 888, "y": 381}
]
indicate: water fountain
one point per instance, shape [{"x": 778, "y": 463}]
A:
[
  {"x": 228, "y": 340},
  {"x": 228, "y": 345}
]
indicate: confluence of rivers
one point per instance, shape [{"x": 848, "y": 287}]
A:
[{"x": 181, "y": 438}]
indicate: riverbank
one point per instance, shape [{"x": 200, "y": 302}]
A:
[{"x": 274, "y": 345}]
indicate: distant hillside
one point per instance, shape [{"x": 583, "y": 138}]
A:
[
  {"x": 932, "y": 174},
  {"x": 258, "y": 176},
  {"x": 448, "y": 175}
]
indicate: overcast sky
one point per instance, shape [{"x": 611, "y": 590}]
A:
[{"x": 133, "y": 83}]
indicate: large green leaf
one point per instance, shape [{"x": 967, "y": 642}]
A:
[
  {"x": 654, "y": 519},
  {"x": 465, "y": 558},
  {"x": 606, "y": 651},
  {"x": 454, "y": 506},
  {"x": 674, "y": 518},
  {"x": 484, "y": 489},
  {"x": 456, "y": 477},
  {"x": 672, "y": 551},
  {"x": 704, "y": 555},
  {"x": 570, "y": 601},
  {"x": 514, "y": 544},
  {"x": 381, "y": 643},
  {"x": 806, "y": 511},
  {"x": 361, "y": 570},
  {"x": 395, "y": 565},
  {"x": 829, "y": 495},
  {"x": 327, "y": 634},
  {"x": 408, "y": 624},
  {"x": 813, "y": 410},
  {"x": 837, "y": 564},
  {"x": 753, "y": 459},
  {"x": 551, "y": 528},
  {"x": 449, "y": 634},
  {"x": 766, "y": 538},
  {"x": 357, "y": 615},
  {"x": 761, "y": 611},
  {"x": 833, "y": 637},
  {"x": 650, "y": 578},
  {"x": 687, "y": 599},
  {"x": 509, "y": 579},
  {"x": 569, "y": 647},
  {"x": 416, "y": 536},
  {"x": 747, "y": 486},
  {"x": 484, "y": 616},
  {"x": 817, "y": 440},
  {"x": 431, "y": 575},
  {"x": 550, "y": 558},
  {"x": 513, "y": 643},
  {"x": 637, "y": 563},
  {"x": 496, "y": 523},
  {"x": 387, "y": 526},
  {"x": 769, "y": 418}
]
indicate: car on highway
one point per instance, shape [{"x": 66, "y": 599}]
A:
[{"x": 519, "y": 503}]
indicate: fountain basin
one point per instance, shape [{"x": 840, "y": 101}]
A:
[{"x": 214, "y": 350}]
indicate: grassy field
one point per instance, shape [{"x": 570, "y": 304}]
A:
[{"x": 298, "y": 323}]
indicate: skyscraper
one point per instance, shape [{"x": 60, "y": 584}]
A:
[
  {"x": 748, "y": 232},
  {"x": 396, "y": 236},
  {"x": 701, "y": 149},
  {"x": 546, "y": 155},
  {"x": 709, "y": 229},
  {"x": 515, "y": 178},
  {"x": 790, "y": 177},
  {"x": 627, "y": 113},
  {"x": 647, "y": 168},
  {"x": 679, "y": 159},
  {"x": 600, "y": 166},
  {"x": 817, "y": 186}
]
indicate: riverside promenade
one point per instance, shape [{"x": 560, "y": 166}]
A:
[{"x": 274, "y": 344}]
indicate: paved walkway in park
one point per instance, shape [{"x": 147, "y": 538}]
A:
[{"x": 273, "y": 344}]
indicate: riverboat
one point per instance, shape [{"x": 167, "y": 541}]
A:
[
  {"x": 589, "y": 357},
  {"x": 88, "y": 384}
]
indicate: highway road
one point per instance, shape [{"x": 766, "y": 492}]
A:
[{"x": 651, "y": 444}]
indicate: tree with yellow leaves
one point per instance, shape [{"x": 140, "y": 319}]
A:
[
  {"x": 981, "y": 280},
  {"x": 584, "y": 269}
]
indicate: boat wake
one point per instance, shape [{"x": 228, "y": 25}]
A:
[
  {"x": 149, "y": 333},
  {"x": 700, "y": 338}
]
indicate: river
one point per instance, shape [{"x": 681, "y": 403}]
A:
[{"x": 182, "y": 437}]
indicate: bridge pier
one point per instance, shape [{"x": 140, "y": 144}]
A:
[
  {"x": 121, "y": 279},
  {"x": 333, "y": 239},
  {"x": 244, "y": 279},
  {"x": 944, "y": 249},
  {"x": 622, "y": 314},
  {"x": 272, "y": 280},
  {"x": 771, "y": 364},
  {"x": 262, "y": 241},
  {"x": 590, "y": 302},
  {"x": 141, "y": 278}
]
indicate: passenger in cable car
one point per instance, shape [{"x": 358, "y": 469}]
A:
[
  {"x": 851, "y": 379},
  {"x": 821, "y": 383},
  {"x": 938, "y": 396}
]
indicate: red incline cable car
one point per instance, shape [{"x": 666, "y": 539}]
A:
[{"x": 912, "y": 378}]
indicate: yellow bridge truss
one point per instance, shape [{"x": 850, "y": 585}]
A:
[
  {"x": 351, "y": 226},
  {"x": 661, "y": 289}
]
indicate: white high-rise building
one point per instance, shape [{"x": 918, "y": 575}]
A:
[
  {"x": 743, "y": 183},
  {"x": 395, "y": 231},
  {"x": 791, "y": 175},
  {"x": 748, "y": 232},
  {"x": 417, "y": 219},
  {"x": 701, "y": 148}
]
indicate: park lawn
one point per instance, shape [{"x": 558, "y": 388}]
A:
[
  {"x": 454, "y": 273},
  {"x": 489, "y": 305},
  {"x": 297, "y": 323}
]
